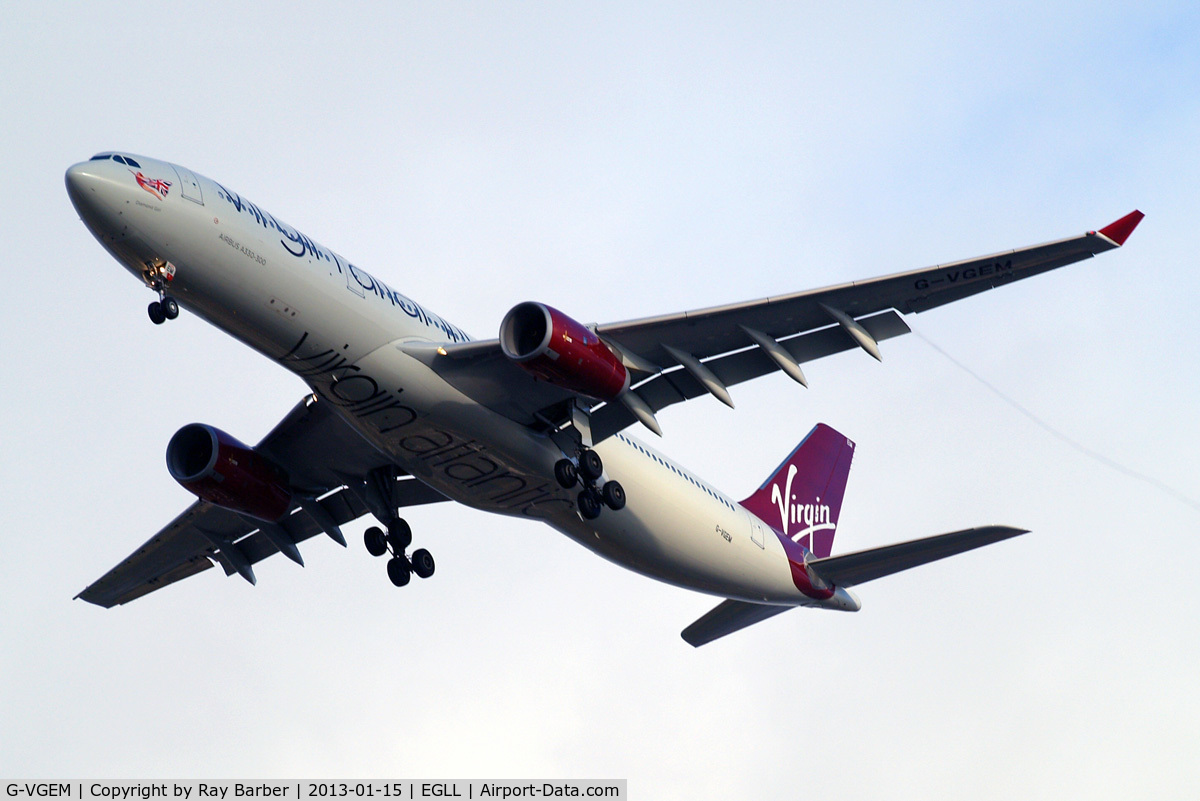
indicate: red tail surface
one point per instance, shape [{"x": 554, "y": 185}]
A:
[{"x": 803, "y": 498}]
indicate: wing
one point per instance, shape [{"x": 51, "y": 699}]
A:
[
  {"x": 680, "y": 356},
  {"x": 323, "y": 457}
]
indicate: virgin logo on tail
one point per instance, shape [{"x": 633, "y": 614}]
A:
[
  {"x": 814, "y": 516},
  {"x": 806, "y": 491}
]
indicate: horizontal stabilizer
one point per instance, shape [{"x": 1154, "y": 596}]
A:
[
  {"x": 726, "y": 618},
  {"x": 850, "y": 569}
]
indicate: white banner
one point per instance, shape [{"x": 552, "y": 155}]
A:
[{"x": 295, "y": 790}]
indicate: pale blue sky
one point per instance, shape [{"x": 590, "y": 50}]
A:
[{"x": 615, "y": 162}]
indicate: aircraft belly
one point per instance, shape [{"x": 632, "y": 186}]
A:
[{"x": 465, "y": 451}]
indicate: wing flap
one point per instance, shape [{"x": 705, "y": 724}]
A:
[
  {"x": 850, "y": 569},
  {"x": 676, "y": 386}
]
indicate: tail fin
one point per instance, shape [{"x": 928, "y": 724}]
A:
[{"x": 803, "y": 497}]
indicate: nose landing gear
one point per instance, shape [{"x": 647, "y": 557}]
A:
[{"x": 157, "y": 275}]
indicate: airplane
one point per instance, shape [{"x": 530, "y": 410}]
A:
[{"x": 407, "y": 409}]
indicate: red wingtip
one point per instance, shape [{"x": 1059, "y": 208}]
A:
[{"x": 1122, "y": 228}]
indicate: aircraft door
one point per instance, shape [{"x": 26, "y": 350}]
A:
[
  {"x": 189, "y": 187},
  {"x": 353, "y": 282},
  {"x": 758, "y": 531}
]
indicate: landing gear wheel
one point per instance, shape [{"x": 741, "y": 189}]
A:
[
  {"x": 157, "y": 315},
  {"x": 613, "y": 494},
  {"x": 422, "y": 563},
  {"x": 591, "y": 467},
  {"x": 399, "y": 571},
  {"x": 170, "y": 308},
  {"x": 375, "y": 541},
  {"x": 589, "y": 504},
  {"x": 565, "y": 473},
  {"x": 399, "y": 535}
]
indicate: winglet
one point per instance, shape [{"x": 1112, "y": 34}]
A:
[{"x": 1120, "y": 230}]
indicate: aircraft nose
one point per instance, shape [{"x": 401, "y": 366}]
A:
[
  {"x": 76, "y": 176},
  {"x": 83, "y": 186}
]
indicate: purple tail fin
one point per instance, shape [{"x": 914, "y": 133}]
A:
[{"x": 803, "y": 498}]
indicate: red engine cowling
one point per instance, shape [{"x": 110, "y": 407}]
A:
[
  {"x": 219, "y": 469},
  {"x": 556, "y": 348}
]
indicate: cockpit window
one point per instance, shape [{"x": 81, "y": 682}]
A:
[{"x": 116, "y": 158}]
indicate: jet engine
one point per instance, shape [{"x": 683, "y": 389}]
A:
[
  {"x": 555, "y": 348},
  {"x": 216, "y": 467}
]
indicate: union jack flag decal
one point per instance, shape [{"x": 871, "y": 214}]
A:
[{"x": 155, "y": 186}]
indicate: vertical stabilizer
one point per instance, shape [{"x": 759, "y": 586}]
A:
[{"x": 803, "y": 498}]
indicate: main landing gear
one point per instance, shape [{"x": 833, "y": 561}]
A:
[
  {"x": 570, "y": 427},
  {"x": 592, "y": 498},
  {"x": 397, "y": 539},
  {"x": 376, "y": 490}
]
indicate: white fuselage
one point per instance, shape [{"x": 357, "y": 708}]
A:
[{"x": 341, "y": 330}]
